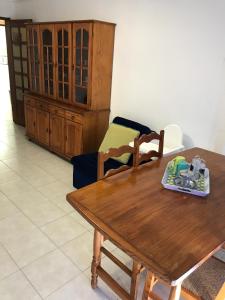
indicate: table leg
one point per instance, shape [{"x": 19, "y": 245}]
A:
[
  {"x": 149, "y": 284},
  {"x": 98, "y": 240},
  {"x": 175, "y": 292},
  {"x": 136, "y": 270}
]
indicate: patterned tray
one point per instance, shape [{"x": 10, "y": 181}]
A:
[{"x": 202, "y": 189}]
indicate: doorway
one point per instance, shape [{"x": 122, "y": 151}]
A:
[
  {"x": 14, "y": 36},
  {"x": 5, "y": 103}
]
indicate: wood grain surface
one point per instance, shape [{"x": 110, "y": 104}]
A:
[{"x": 170, "y": 233}]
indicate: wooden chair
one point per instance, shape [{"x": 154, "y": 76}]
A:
[
  {"x": 206, "y": 283},
  {"x": 146, "y": 138},
  {"x": 85, "y": 166},
  {"x": 99, "y": 238},
  {"x": 113, "y": 152}
]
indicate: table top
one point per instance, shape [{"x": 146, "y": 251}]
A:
[{"x": 171, "y": 233}]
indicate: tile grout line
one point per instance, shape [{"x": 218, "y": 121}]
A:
[
  {"x": 57, "y": 247},
  {"x": 33, "y": 186},
  {"x": 44, "y": 196},
  {"x": 4, "y": 248},
  {"x": 40, "y": 229},
  {"x": 83, "y": 273},
  {"x": 31, "y": 284},
  {"x": 62, "y": 285},
  {"x": 21, "y": 211},
  {"x": 47, "y": 253},
  {"x": 19, "y": 269},
  {"x": 24, "y": 178}
]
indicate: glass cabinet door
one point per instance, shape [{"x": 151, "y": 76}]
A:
[
  {"x": 81, "y": 62},
  {"x": 33, "y": 43},
  {"x": 63, "y": 61},
  {"x": 48, "y": 59}
]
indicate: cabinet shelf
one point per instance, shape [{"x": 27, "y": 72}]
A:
[
  {"x": 81, "y": 48},
  {"x": 81, "y": 86}
]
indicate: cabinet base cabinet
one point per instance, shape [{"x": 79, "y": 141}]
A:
[
  {"x": 62, "y": 129},
  {"x": 42, "y": 125},
  {"x": 30, "y": 117},
  {"x": 73, "y": 138},
  {"x": 57, "y": 133}
]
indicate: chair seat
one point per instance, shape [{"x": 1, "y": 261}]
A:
[
  {"x": 85, "y": 168},
  {"x": 207, "y": 280}
]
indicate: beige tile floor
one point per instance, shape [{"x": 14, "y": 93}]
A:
[{"x": 45, "y": 246}]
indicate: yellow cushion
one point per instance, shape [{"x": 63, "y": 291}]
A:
[{"x": 117, "y": 136}]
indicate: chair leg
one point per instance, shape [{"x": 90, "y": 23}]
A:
[
  {"x": 149, "y": 284},
  {"x": 175, "y": 292},
  {"x": 135, "y": 278},
  {"x": 98, "y": 240}
]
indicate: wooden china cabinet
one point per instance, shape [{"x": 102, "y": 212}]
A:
[{"x": 70, "y": 71}]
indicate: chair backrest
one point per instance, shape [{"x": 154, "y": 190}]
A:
[
  {"x": 139, "y": 157},
  {"x": 173, "y": 136},
  {"x": 134, "y": 125},
  {"x": 113, "y": 152}
]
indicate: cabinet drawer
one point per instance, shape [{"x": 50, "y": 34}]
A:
[
  {"x": 29, "y": 101},
  {"x": 42, "y": 106},
  {"x": 57, "y": 111},
  {"x": 74, "y": 117}
]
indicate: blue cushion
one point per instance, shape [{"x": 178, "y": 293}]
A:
[
  {"x": 85, "y": 168},
  {"x": 131, "y": 124}
]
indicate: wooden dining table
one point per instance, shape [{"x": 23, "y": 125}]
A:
[{"x": 170, "y": 233}]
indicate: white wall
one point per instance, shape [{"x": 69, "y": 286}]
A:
[
  {"x": 7, "y": 8},
  {"x": 3, "y": 49},
  {"x": 169, "y": 60}
]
